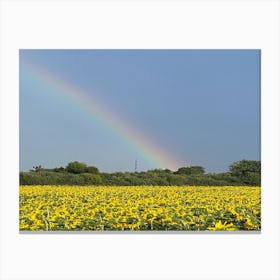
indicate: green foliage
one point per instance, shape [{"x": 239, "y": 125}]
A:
[
  {"x": 247, "y": 171},
  {"x": 241, "y": 168},
  {"x": 190, "y": 170},
  {"x": 76, "y": 167},
  {"x": 92, "y": 170},
  {"x": 75, "y": 173},
  {"x": 59, "y": 169},
  {"x": 91, "y": 179}
]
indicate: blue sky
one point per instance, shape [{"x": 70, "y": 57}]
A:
[{"x": 202, "y": 106}]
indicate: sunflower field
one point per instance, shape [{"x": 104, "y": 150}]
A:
[{"x": 139, "y": 208}]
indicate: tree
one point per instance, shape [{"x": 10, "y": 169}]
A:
[
  {"x": 247, "y": 171},
  {"x": 91, "y": 179},
  {"x": 76, "y": 167},
  {"x": 190, "y": 170},
  {"x": 92, "y": 170},
  {"x": 59, "y": 169}
]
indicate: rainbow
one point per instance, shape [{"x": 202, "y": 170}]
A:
[{"x": 87, "y": 103}]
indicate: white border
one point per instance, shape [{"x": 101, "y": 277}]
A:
[{"x": 140, "y": 24}]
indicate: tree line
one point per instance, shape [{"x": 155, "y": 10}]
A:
[{"x": 244, "y": 172}]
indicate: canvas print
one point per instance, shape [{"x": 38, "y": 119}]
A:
[{"x": 131, "y": 140}]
